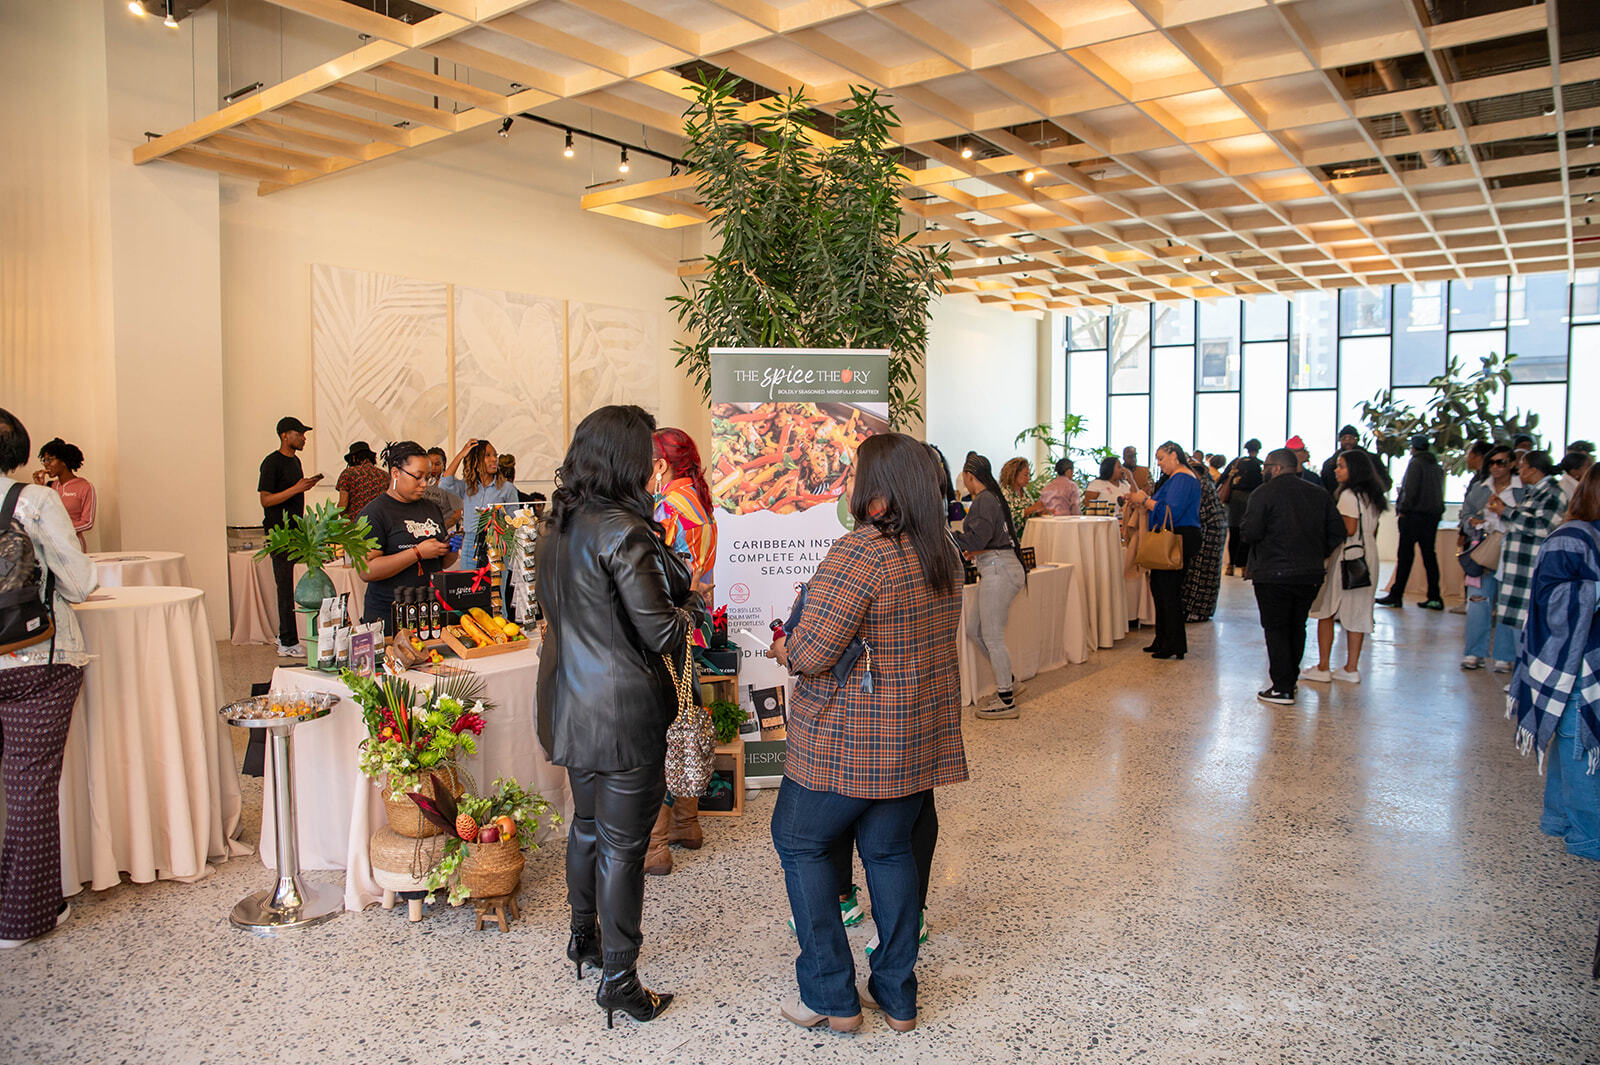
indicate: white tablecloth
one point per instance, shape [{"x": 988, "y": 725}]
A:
[
  {"x": 338, "y": 809},
  {"x": 1044, "y": 631},
  {"x": 1094, "y": 545},
  {"x": 128, "y": 569},
  {"x": 253, "y": 595},
  {"x": 1450, "y": 575},
  {"x": 148, "y": 786}
]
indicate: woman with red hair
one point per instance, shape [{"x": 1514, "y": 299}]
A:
[{"x": 683, "y": 507}]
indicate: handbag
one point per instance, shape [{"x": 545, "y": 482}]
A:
[
  {"x": 1487, "y": 553},
  {"x": 691, "y": 741},
  {"x": 1354, "y": 572},
  {"x": 1161, "y": 548}
]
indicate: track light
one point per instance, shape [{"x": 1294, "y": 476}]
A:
[
  {"x": 505, "y": 126},
  {"x": 169, "y": 22},
  {"x": 239, "y": 94},
  {"x": 966, "y": 151},
  {"x": 622, "y": 165},
  {"x": 1028, "y": 176},
  {"x": 136, "y": 8},
  {"x": 568, "y": 151}
]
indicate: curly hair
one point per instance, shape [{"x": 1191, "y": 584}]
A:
[{"x": 69, "y": 455}]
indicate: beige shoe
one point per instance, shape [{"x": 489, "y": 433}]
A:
[
  {"x": 868, "y": 1001},
  {"x": 797, "y": 1012}
]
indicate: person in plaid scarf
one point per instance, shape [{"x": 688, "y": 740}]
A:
[{"x": 1526, "y": 526}]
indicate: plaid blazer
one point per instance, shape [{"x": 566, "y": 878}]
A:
[
  {"x": 904, "y": 736},
  {"x": 1527, "y": 525}
]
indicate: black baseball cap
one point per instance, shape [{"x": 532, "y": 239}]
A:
[{"x": 291, "y": 424}]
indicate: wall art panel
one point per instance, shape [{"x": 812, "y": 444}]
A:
[
  {"x": 379, "y": 362},
  {"x": 612, "y": 357},
  {"x": 508, "y": 367}
]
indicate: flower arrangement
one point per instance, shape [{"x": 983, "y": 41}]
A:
[
  {"x": 412, "y": 730},
  {"x": 510, "y": 813}
]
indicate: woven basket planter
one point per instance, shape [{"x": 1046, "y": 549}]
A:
[
  {"x": 404, "y": 817},
  {"x": 492, "y": 869}
]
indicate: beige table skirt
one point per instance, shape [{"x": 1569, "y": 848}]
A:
[
  {"x": 1045, "y": 631},
  {"x": 1094, "y": 546}
]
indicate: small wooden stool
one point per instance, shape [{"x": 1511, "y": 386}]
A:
[{"x": 501, "y": 908}]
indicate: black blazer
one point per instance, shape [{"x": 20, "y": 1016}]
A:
[{"x": 609, "y": 590}]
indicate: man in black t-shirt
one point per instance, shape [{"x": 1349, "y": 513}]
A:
[{"x": 282, "y": 486}]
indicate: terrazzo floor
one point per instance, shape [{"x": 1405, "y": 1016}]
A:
[{"x": 1148, "y": 865}]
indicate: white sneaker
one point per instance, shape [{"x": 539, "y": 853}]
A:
[
  {"x": 1504, "y": 667},
  {"x": 1319, "y": 676},
  {"x": 995, "y": 709},
  {"x": 291, "y": 651},
  {"x": 1472, "y": 662},
  {"x": 1349, "y": 676}
]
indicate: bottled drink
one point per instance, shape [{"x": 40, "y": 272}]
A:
[{"x": 435, "y": 621}]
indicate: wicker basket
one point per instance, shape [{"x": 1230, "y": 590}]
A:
[
  {"x": 396, "y": 865},
  {"x": 491, "y": 869},
  {"x": 404, "y": 817}
]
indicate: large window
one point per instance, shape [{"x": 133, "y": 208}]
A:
[{"x": 1213, "y": 374}]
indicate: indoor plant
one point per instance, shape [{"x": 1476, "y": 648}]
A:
[
  {"x": 811, "y": 252},
  {"x": 1057, "y": 441},
  {"x": 413, "y": 732},
  {"x": 1463, "y": 408},
  {"x": 514, "y": 818},
  {"x": 726, "y": 719},
  {"x": 310, "y": 539}
]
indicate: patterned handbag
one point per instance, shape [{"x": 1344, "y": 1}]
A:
[{"x": 691, "y": 741}]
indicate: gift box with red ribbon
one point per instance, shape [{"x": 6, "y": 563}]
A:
[{"x": 461, "y": 590}]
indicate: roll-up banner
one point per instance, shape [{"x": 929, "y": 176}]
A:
[{"x": 785, "y": 425}]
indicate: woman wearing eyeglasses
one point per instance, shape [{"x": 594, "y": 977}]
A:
[{"x": 410, "y": 531}]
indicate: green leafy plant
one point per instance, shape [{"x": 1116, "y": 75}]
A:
[
  {"x": 1057, "y": 442},
  {"x": 811, "y": 252},
  {"x": 726, "y": 719},
  {"x": 310, "y": 538},
  {"x": 1463, "y": 408},
  {"x": 413, "y": 730},
  {"x": 528, "y": 812}
]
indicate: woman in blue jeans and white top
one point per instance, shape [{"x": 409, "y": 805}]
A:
[
  {"x": 989, "y": 538},
  {"x": 1487, "y": 641},
  {"x": 1176, "y": 499}
]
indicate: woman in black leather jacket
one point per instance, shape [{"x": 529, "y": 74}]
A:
[{"x": 615, "y": 600}]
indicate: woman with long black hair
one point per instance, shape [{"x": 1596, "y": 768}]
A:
[
  {"x": 481, "y": 484},
  {"x": 1360, "y": 498},
  {"x": 1176, "y": 502},
  {"x": 989, "y": 539},
  {"x": 616, "y": 604},
  {"x": 874, "y": 725}
]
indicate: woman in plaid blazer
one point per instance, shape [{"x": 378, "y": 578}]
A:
[
  {"x": 868, "y": 738},
  {"x": 1526, "y": 524}
]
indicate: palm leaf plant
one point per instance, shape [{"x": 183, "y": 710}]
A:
[
  {"x": 811, "y": 251},
  {"x": 310, "y": 539}
]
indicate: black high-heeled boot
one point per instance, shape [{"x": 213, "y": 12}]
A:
[
  {"x": 620, "y": 989},
  {"x": 584, "y": 946}
]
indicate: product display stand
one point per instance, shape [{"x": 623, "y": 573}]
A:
[{"x": 288, "y": 903}]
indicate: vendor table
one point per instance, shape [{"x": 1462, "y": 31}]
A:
[
  {"x": 128, "y": 569},
  {"x": 253, "y": 596},
  {"x": 340, "y": 808},
  {"x": 1044, "y": 631},
  {"x": 1094, "y": 545},
  {"x": 148, "y": 785}
]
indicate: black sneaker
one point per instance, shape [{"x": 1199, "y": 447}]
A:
[
  {"x": 1433, "y": 604},
  {"x": 1390, "y": 600},
  {"x": 1273, "y": 695}
]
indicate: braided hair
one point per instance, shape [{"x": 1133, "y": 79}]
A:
[{"x": 983, "y": 473}]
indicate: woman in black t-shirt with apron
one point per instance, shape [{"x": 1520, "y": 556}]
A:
[
  {"x": 1242, "y": 477},
  {"x": 410, "y": 531}
]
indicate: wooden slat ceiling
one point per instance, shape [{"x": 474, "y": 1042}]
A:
[{"x": 1120, "y": 150}]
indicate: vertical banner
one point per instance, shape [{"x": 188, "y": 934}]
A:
[{"x": 785, "y": 425}]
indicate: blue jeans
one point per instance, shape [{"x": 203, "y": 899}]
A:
[
  {"x": 1571, "y": 793},
  {"x": 805, "y": 824},
  {"x": 1485, "y": 638}
]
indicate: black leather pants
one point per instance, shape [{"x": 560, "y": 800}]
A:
[{"x": 612, "y": 814}]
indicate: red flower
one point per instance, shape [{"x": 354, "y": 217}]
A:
[{"x": 467, "y": 721}]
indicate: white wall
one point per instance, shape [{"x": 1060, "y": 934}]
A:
[
  {"x": 480, "y": 210},
  {"x": 982, "y": 381}
]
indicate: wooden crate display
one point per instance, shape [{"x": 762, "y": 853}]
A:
[
  {"x": 467, "y": 649},
  {"x": 727, "y": 772}
]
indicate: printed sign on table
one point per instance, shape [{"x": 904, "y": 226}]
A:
[{"x": 785, "y": 426}]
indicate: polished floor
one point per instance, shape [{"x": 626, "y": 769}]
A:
[{"x": 1148, "y": 865}]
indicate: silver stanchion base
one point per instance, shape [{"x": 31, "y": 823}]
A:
[{"x": 254, "y": 913}]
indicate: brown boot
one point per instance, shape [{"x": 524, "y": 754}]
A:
[
  {"x": 658, "y": 859},
  {"x": 686, "y": 824}
]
